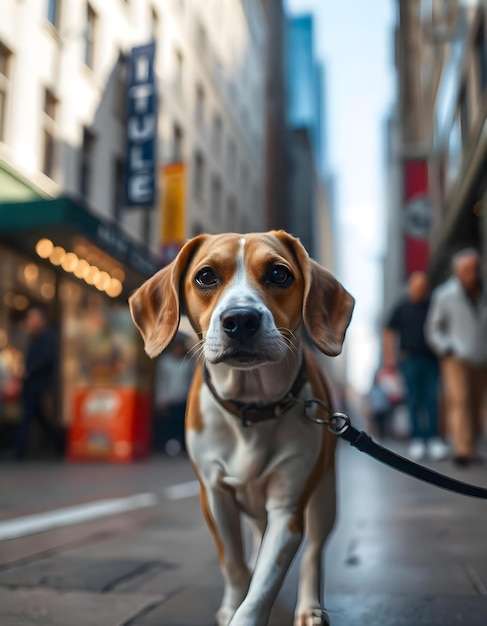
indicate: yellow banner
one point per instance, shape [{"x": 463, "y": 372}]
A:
[{"x": 173, "y": 209}]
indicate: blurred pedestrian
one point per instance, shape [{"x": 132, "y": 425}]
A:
[
  {"x": 39, "y": 382},
  {"x": 418, "y": 365},
  {"x": 174, "y": 373},
  {"x": 457, "y": 330},
  {"x": 379, "y": 407}
]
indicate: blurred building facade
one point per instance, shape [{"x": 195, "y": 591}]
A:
[
  {"x": 394, "y": 258},
  {"x": 64, "y": 99},
  {"x": 419, "y": 61},
  {"x": 305, "y": 94},
  {"x": 67, "y": 240},
  {"x": 459, "y": 143},
  {"x": 309, "y": 180},
  {"x": 310, "y": 213},
  {"x": 277, "y": 201},
  {"x": 436, "y": 138}
]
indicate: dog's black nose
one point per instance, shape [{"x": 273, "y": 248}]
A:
[{"x": 241, "y": 323}]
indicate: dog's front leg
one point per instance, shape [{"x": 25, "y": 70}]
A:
[
  {"x": 223, "y": 519},
  {"x": 279, "y": 545}
]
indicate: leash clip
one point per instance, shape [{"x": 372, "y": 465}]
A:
[{"x": 337, "y": 422}]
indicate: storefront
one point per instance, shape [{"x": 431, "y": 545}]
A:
[{"x": 82, "y": 269}]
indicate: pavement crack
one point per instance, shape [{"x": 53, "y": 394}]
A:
[
  {"x": 133, "y": 619},
  {"x": 142, "y": 570}
]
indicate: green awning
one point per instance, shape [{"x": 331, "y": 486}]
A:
[{"x": 22, "y": 224}]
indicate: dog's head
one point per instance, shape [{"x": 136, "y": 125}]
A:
[{"x": 246, "y": 296}]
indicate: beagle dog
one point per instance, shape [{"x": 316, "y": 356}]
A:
[{"x": 249, "y": 437}]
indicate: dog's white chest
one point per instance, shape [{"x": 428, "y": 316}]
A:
[{"x": 243, "y": 459}]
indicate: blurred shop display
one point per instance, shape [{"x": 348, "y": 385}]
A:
[
  {"x": 110, "y": 411},
  {"x": 22, "y": 284},
  {"x": 81, "y": 269}
]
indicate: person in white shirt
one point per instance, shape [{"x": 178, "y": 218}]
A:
[{"x": 456, "y": 329}]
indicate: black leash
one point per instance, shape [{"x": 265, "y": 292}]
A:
[{"x": 341, "y": 426}]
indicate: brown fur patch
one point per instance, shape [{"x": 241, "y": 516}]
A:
[
  {"x": 326, "y": 457},
  {"x": 194, "y": 419},
  {"x": 210, "y": 522}
]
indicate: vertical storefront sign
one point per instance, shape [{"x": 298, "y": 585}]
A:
[
  {"x": 417, "y": 215},
  {"x": 173, "y": 210},
  {"x": 140, "y": 184}
]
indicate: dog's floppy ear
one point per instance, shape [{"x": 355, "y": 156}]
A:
[
  {"x": 327, "y": 309},
  {"x": 155, "y": 306},
  {"x": 327, "y": 305}
]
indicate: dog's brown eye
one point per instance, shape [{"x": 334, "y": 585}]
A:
[
  {"x": 206, "y": 277},
  {"x": 279, "y": 275}
]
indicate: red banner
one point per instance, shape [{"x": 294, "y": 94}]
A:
[{"x": 418, "y": 215}]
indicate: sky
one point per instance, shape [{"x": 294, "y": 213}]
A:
[{"x": 353, "y": 40}]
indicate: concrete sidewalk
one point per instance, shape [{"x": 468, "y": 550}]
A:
[{"x": 402, "y": 554}]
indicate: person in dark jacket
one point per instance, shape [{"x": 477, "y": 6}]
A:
[
  {"x": 38, "y": 382},
  {"x": 405, "y": 348}
]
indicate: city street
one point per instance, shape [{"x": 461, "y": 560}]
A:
[
  {"x": 225, "y": 182},
  {"x": 402, "y": 554}
]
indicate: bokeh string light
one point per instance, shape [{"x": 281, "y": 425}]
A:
[{"x": 110, "y": 283}]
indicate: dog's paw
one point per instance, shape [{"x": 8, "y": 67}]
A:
[
  {"x": 224, "y": 616},
  {"x": 313, "y": 617}
]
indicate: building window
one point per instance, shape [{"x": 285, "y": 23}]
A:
[
  {"x": 86, "y": 162},
  {"x": 118, "y": 186},
  {"x": 464, "y": 113},
  {"x": 255, "y": 201},
  {"x": 245, "y": 224},
  {"x": 48, "y": 155},
  {"x": 154, "y": 24},
  {"x": 198, "y": 175},
  {"x": 177, "y": 143},
  {"x": 232, "y": 156},
  {"x": 90, "y": 34},
  {"x": 53, "y": 12},
  {"x": 454, "y": 152},
  {"x": 201, "y": 40},
  {"x": 481, "y": 54},
  {"x": 217, "y": 133},
  {"x": 119, "y": 90},
  {"x": 178, "y": 69},
  {"x": 200, "y": 104},
  {"x": 216, "y": 198},
  {"x": 231, "y": 218},
  {"x": 5, "y": 71},
  {"x": 244, "y": 178}
]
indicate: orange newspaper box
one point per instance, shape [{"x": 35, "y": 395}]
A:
[{"x": 109, "y": 424}]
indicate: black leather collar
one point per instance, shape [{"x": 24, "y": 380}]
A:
[{"x": 251, "y": 412}]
